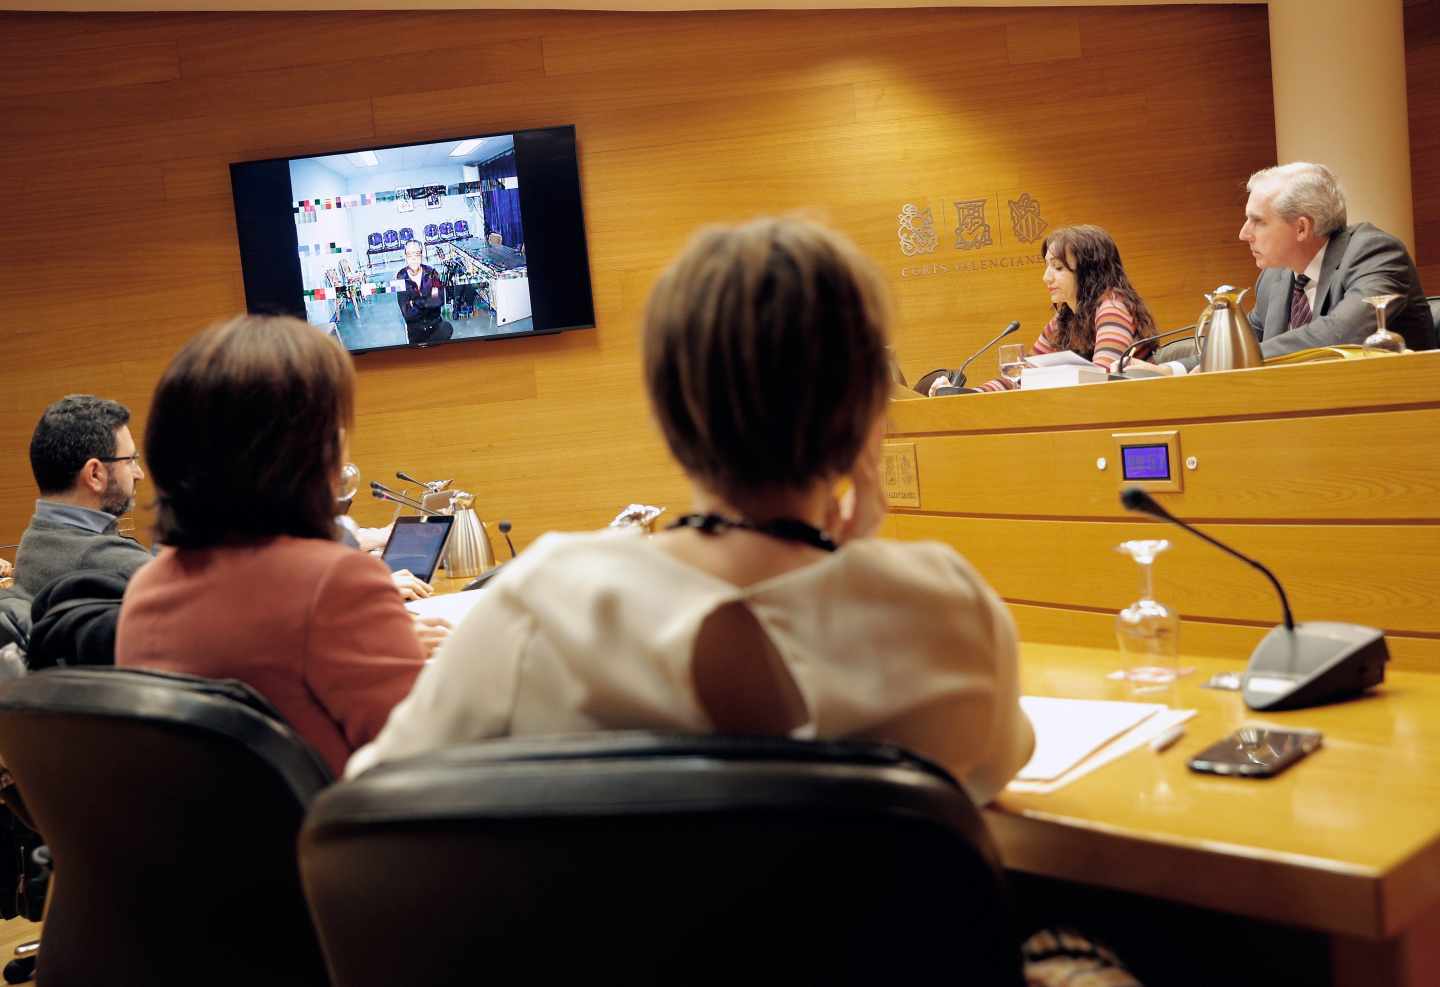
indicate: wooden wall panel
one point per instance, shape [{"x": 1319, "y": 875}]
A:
[
  {"x": 1326, "y": 472},
  {"x": 1422, "y": 81},
  {"x": 1102, "y": 115},
  {"x": 1230, "y": 638},
  {"x": 1315, "y": 468},
  {"x": 1381, "y": 575}
]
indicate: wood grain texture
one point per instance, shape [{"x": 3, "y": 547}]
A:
[
  {"x": 682, "y": 119},
  {"x": 1406, "y": 382},
  {"x": 1380, "y": 575},
  {"x": 1347, "y": 467},
  {"x": 1327, "y": 472},
  {"x": 1422, "y": 83},
  {"x": 1209, "y": 638},
  {"x": 46, "y": 71},
  {"x": 1312, "y": 847}
]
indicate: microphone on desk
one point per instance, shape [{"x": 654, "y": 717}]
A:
[
  {"x": 379, "y": 491},
  {"x": 957, "y": 377},
  {"x": 505, "y": 530},
  {"x": 1294, "y": 665},
  {"x": 1129, "y": 351}
]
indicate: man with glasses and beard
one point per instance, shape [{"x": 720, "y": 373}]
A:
[{"x": 85, "y": 464}]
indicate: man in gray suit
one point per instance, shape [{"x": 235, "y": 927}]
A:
[
  {"x": 86, "y": 467},
  {"x": 1316, "y": 272}
]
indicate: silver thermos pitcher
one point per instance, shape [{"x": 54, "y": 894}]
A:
[
  {"x": 469, "y": 553},
  {"x": 1226, "y": 340}
]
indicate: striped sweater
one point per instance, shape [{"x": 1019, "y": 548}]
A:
[{"x": 1114, "y": 331}]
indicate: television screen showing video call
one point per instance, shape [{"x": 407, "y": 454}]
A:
[{"x": 419, "y": 244}]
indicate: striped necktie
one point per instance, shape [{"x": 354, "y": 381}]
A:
[{"x": 1300, "y": 313}]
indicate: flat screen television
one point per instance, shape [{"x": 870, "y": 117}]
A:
[{"x": 418, "y": 244}]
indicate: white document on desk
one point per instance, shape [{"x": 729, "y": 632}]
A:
[
  {"x": 1074, "y": 737},
  {"x": 1060, "y": 358},
  {"x": 1069, "y": 730},
  {"x": 452, "y": 606}
]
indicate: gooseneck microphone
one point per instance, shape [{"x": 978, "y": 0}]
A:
[
  {"x": 1129, "y": 351},
  {"x": 505, "y": 530},
  {"x": 381, "y": 492},
  {"x": 1136, "y": 499},
  {"x": 957, "y": 379},
  {"x": 1296, "y": 665}
]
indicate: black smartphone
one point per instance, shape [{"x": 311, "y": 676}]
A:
[{"x": 1256, "y": 752}]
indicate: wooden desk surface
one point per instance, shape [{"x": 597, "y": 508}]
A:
[{"x": 1347, "y": 841}]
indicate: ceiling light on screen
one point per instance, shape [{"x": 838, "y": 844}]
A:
[
  {"x": 363, "y": 159},
  {"x": 465, "y": 147}
]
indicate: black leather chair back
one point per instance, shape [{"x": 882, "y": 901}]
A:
[
  {"x": 922, "y": 386},
  {"x": 642, "y": 859},
  {"x": 171, "y": 806}
]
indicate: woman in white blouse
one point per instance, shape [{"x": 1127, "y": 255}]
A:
[{"x": 771, "y": 608}]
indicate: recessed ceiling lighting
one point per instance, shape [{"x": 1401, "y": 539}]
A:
[
  {"x": 363, "y": 159},
  {"x": 466, "y": 147}
]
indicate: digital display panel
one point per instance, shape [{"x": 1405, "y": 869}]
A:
[
  {"x": 1145, "y": 462},
  {"x": 467, "y": 238}
]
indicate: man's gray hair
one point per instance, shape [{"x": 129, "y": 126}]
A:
[
  {"x": 1304, "y": 189},
  {"x": 417, "y": 243}
]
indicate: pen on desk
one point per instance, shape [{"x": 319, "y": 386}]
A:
[{"x": 1168, "y": 738}]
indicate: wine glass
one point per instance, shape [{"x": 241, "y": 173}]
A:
[
  {"x": 1012, "y": 361},
  {"x": 1148, "y": 632},
  {"x": 349, "y": 483},
  {"x": 1382, "y": 338}
]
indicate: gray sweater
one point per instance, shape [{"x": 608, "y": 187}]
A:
[{"x": 49, "y": 549}]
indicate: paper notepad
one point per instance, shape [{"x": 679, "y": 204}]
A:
[
  {"x": 1069, "y": 730},
  {"x": 452, "y": 606},
  {"x": 1060, "y": 358}
]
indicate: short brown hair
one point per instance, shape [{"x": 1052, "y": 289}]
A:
[
  {"x": 243, "y": 441},
  {"x": 765, "y": 355}
]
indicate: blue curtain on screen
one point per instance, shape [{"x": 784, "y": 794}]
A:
[
  {"x": 502, "y": 206},
  {"x": 502, "y": 215}
]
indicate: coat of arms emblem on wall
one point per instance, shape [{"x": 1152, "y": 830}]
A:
[
  {"x": 1025, "y": 218},
  {"x": 971, "y": 230},
  {"x": 917, "y": 231}
]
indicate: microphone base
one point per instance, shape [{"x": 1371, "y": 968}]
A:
[
  {"x": 1319, "y": 662},
  {"x": 479, "y": 581},
  {"x": 945, "y": 392}
]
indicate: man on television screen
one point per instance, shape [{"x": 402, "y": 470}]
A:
[{"x": 421, "y": 296}]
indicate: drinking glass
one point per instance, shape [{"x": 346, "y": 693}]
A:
[
  {"x": 1383, "y": 338},
  {"x": 1012, "y": 361},
  {"x": 1148, "y": 632},
  {"x": 349, "y": 483}
]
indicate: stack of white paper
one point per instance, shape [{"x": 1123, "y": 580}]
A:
[
  {"x": 1062, "y": 369},
  {"x": 452, "y": 606},
  {"x": 1075, "y": 736}
]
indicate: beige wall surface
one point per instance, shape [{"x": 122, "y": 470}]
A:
[{"x": 118, "y": 130}]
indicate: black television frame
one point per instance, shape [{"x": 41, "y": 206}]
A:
[{"x": 557, "y": 254}]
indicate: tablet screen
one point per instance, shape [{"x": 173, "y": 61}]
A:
[{"x": 417, "y": 544}]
